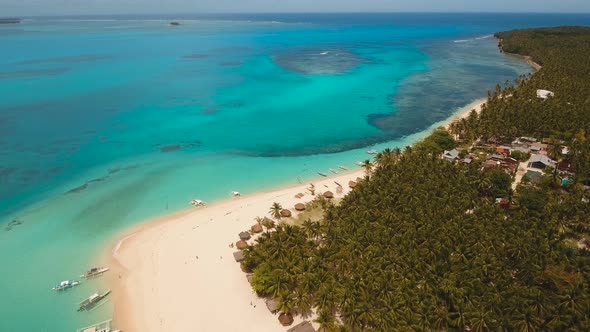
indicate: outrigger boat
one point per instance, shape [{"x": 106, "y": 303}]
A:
[
  {"x": 94, "y": 272},
  {"x": 343, "y": 168},
  {"x": 322, "y": 174},
  {"x": 372, "y": 152},
  {"x": 360, "y": 163},
  {"x": 92, "y": 300},
  {"x": 197, "y": 202},
  {"x": 333, "y": 171},
  {"x": 65, "y": 285},
  {"x": 105, "y": 326}
]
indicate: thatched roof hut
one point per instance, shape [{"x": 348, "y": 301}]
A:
[
  {"x": 300, "y": 207},
  {"x": 359, "y": 179},
  {"x": 245, "y": 236},
  {"x": 241, "y": 245},
  {"x": 256, "y": 228},
  {"x": 285, "y": 213},
  {"x": 239, "y": 256},
  {"x": 304, "y": 326},
  {"x": 286, "y": 319},
  {"x": 329, "y": 194},
  {"x": 272, "y": 305},
  {"x": 352, "y": 184}
]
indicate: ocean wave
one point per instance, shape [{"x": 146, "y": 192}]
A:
[{"x": 472, "y": 39}]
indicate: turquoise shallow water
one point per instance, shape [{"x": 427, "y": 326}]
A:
[{"x": 107, "y": 122}]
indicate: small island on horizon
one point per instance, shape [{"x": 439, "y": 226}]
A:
[{"x": 10, "y": 20}]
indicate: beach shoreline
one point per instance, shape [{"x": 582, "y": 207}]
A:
[{"x": 177, "y": 271}]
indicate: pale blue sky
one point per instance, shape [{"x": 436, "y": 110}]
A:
[{"x": 64, "y": 7}]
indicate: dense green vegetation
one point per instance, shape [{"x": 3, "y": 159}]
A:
[
  {"x": 514, "y": 110},
  {"x": 421, "y": 245}
]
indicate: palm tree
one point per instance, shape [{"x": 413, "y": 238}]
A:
[
  {"x": 268, "y": 223},
  {"x": 368, "y": 166},
  {"x": 275, "y": 210},
  {"x": 327, "y": 321},
  {"x": 311, "y": 189}
]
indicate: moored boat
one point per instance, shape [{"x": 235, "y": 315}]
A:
[
  {"x": 333, "y": 171},
  {"x": 94, "y": 272},
  {"x": 323, "y": 174},
  {"x": 105, "y": 326},
  {"x": 373, "y": 151},
  {"x": 360, "y": 163},
  {"x": 343, "y": 168},
  {"x": 65, "y": 285},
  {"x": 91, "y": 301}
]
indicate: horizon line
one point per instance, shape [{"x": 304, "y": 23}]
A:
[{"x": 301, "y": 13}]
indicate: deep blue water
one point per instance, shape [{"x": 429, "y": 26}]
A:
[{"x": 105, "y": 121}]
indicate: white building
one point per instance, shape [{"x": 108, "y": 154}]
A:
[{"x": 544, "y": 94}]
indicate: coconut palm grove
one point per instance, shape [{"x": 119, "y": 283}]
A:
[{"x": 422, "y": 244}]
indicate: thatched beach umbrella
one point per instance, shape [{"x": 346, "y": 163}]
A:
[
  {"x": 304, "y": 326},
  {"x": 286, "y": 319},
  {"x": 300, "y": 207},
  {"x": 285, "y": 213},
  {"x": 272, "y": 305},
  {"x": 239, "y": 256},
  {"x": 241, "y": 245},
  {"x": 256, "y": 228},
  {"x": 352, "y": 184},
  {"x": 329, "y": 194},
  {"x": 245, "y": 236}
]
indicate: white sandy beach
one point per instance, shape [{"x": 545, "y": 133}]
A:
[
  {"x": 464, "y": 112},
  {"x": 177, "y": 273}
]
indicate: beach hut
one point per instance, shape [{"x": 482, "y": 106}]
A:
[
  {"x": 329, "y": 194},
  {"x": 241, "y": 245},
  {"x": 300, "y": 207},
  {"x": 245, "y": 236},
  {"x": 239, "y": 256},
  {"x": 286, "y": 319},
  {"x": 256, "y": 228},
  {"x": 304, "y": 326},
  {"x": 351, "y": 184},
  {"x": 285, "y": 213},
  {"x": 272, "y": 305},
  {"x": 359, "y": 179}
]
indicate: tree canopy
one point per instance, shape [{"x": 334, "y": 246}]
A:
[{"x": 421, "y": 245}]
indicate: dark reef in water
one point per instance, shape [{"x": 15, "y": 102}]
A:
[
  {"x": 195, "y": 56},
  {"x": 25, "y": 73},
  {"x": 12, "y": 224},
  {"x": 101, "y": 179},
  {"x": 170, "y": 148},
  {"x": 211, "y": 110},
  {"x": 66, "y": 59},
  {"x": 78, "y": 189},
  {"x": 231, "y": 64},
  {"x": 177, "y": 146},
  {"x": 319, "y": 61}
]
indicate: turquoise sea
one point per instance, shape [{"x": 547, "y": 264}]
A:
[{"x": 108, "y": 121}]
